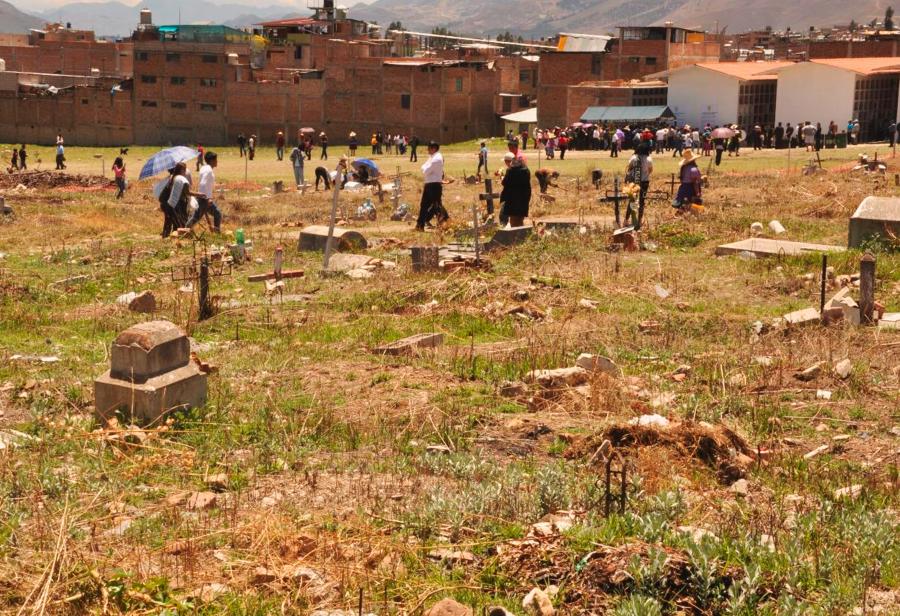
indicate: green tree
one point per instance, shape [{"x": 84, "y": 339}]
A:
[
  {"x": 853, "y": 26},
  {"x": 396, "y": 25},
  {"x": 889, "y": 18}
]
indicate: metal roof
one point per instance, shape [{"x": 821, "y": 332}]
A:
[
  {"x": 626, "y": 114},
  {"x": 582, "y": 42},
  {"x": 526, "y": 116},
  {"x": 287, "y": 23}
]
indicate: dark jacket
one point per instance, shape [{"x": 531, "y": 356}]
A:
[{"x": 516, "y": 193}]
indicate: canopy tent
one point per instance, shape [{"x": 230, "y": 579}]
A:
[
  {"x": 624, "y": 115},
  {"x": 520, "y": 120}
]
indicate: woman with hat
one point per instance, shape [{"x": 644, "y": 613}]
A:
[
  {"x": 323, "y": 141},
  {"x": 691, "y": 183},
  {"x": 515, "y": 198},
  {"x": 354, "y": 143}
]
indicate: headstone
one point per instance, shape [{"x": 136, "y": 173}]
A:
[
  {"x": 408, "y": 345},
  {"x": 425, "y": 258},
  {"x": 875, "y": 217},
  {"x": 151, "y": 373},
  {"x": 510, "y": 237},
  {"x": 762, "y": 247},
  {"x": 314, "y": 238},
  {"x": 4, "y": 209},
  {"x": 802, "y": 317}
]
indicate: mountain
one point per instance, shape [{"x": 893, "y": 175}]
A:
[
  {"x": 14, "y": 21},
  {"x": 537, "y": 18},
  {"x": 118, "y": 19}
]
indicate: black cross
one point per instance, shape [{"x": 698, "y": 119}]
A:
[{"x": 489, "y": 196}]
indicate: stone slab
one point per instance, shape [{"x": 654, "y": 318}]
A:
[
  {"x": 802, "y": 317},
  {"x": 315, "y": 237},
  {"x": 146, "y": 402},
  {"x": 890, "y": 320},
  {"x": 146, "y": 350},
  {"x": 408, "y": 345},
  {"x": 510, "y": 237},
  {"x": 763, "y": 247},
  {"x": 875, "y": 216}
]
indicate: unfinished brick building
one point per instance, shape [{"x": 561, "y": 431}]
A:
[{"x": 58, "y": 49}]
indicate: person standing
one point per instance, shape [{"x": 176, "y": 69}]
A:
[
  {"x": 251, "y": 147},
  {"x": 892, "y": 133},
  {"x": 279, "y": 145},
  {"x": 639, "y": 170},
  {"x": 433, "y": 192},
  {"x": 242, "y": 144},
  {"x": 353, "y": 143},
  {"x": 809, "y": 136},
  {"x": 513, "y": 147},
  {"x": 297, "y": 164},
  {"x": 820, "y": 137},
  {"x": 206, "y": 188},
  {"x": 617, "y": 141},
  {"x": 482, "y": 159},
  {"x": 200, "y": 152},
  {"x": 661, "y": 135},
  {"x": 779, "y": 136},
  {"x": 23, "y": 158},
  {"x": 14, "y": 162},
  {"x": 414, "y": 149},
  {"x": 789, "y": 135},
  {"x": 690, "y": 190},
  {"x": 515, "y": 198},
  {"x": 563, "y": 144},
  {"x": 60, "y": 156},
  {"x": 719, "y": 145},
  {"x": 119, "y": 173},
  {"x": 173, "y": 200},
  {"x": 323, "y": 141}
]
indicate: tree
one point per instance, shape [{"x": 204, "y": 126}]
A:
[
  {"x": 853, "y": 26},
  {"x": 889, "y": 18},
  {"x": 396, "y": 25}
]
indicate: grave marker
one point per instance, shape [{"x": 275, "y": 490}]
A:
[
  {"x": 408, "y": 345},
  {"x": 489, "y": 195},
  {"x": 763, "y": 247},
  {"x": 875, "y": 217}
]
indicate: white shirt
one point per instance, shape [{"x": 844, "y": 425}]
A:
[
  {"x": 661, "y": 134},
  {"x": 179, "y": 185},
  {"x": 207, "y": 181},
  {"x": 434, "y": 169}
]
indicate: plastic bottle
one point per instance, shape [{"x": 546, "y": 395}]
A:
[{"x": 239, "y": 237}]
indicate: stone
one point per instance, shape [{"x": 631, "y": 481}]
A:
[
  {"x": 815, "y": 452},
  {"x": 823, "y": 394},
  {"x": 762, "y": 247},
  {"x": 513, "y": 389},
  {"x": 217, "y": 482},
  {"x": 425, "y": 258},
  {"x": 757, "y": 229},
  {"x": 496, "y": 610},
  {"x": 346, "y": 262},
  {"x": 741, "y": 487},
  {"x": 359, "y": 274},
  {"x": 150, "y": 374},
  {"x": 650, "y": 421},
  {"x": 262, "y": 576},
  {"x": 802, "y": 317},
  {"x": 509, "y": 237},
  {"x": 413, "y": 343},
  {"x": 876, "y": 217},
  {"x": 454, "y": 557},
  {"x": 144, "y": 303},
  {"x": 697, "y": 534},
  {"x": 315, "y": 237},
  {"x": 199, "y": 501},
  {"x": 561, "y": 377},
  {"x": 210, "y": 592},
  {"x": 889, "y": 320},
  {"x": 850, "y": 492},
  {"x": 449, "y": 607},
  {"x": 776, "y": 227},
  {"x": 589, "y": 304},
  {"x": 810, "y": 373},
  {"x": 538, "y": 603},
  {"x": 843, "y": 369},
  {"x": 598, "y": 363}
]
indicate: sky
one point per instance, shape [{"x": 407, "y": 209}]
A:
[{"x": 41, "y": 5}]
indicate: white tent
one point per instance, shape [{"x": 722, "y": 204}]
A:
[{"x": 521, "y": 120}]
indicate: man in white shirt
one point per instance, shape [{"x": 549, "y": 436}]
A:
[
  {"x": 205, "y": 197},
  {"x": 433, "y": 192},
  {"x": 661, "y": 135}
]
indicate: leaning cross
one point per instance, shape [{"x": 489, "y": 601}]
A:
[
  {"x": 277, "y": 274},
  {"x": 489, "y": 195}
]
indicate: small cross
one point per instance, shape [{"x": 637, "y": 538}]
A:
[
  {"x": 489, "y": 195},
  {"x": 277, "y": 274}
]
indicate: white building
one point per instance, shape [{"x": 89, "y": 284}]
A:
[
  {"x": 839, "y": 90},
  {"x": 721, "y": 93}
]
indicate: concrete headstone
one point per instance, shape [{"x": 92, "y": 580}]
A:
[{"x": 875, "y": 217}]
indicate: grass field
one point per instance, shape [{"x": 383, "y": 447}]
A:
[{"x": 407, "y": 480}]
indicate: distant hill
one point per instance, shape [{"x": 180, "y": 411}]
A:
[
  {"x": 14, "y": 21},
  {"x": 118, "y": 19},
  {"x": 536, "y": 18}
]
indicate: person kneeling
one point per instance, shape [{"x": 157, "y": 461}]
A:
[{"x": 207, "y": 186}]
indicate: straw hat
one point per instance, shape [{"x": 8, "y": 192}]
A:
[
  {"x": 688, "y": 157},
  {"x": 352, "y": 134}
]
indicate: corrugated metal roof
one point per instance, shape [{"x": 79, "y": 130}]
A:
[
  {"x": 286, "y": 23},
  {"x": 526, "y": 116},
  {"x": 583, "y": 42},
  {"x": 626, "y": 114}
]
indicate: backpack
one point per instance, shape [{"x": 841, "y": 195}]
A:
[{"x": 633, "y": 172}]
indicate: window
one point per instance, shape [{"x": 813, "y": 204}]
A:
[
  {"x": 148, "y": 103},
  {"x": 142, "y": 56},
  {"x": 524, "y": 76},
  {"x": 405, "y": 100},
  {"x": 210, "y": 59},
  {"x": 298, "y": 52},
  {"x": 207, "y": 107},
  {"x": 650, "y": 61},
  {"x": 597, "y": 64},
  {"x": 177, "y": 81},
  {"x": 208, "y": 83},
  {"x": 173, "y": 57},
  {"x": 634, "y": 60},
  {"x": 148, "y": 78},
  {"x": 459, "y": 84},
  {"x": 507, "y": 104},
  {"x": 178, "y": 105}
]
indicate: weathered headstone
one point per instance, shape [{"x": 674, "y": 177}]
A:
[
  {"x": 875, "y": 217},
  {"x": 762, "y": 247},
  {"x": 510, "y": 237},
  {"x": 151, "y": 373},
  {"x": 425, "y": 258},
  {"x": 315, "y": 238},
  {"x": 408, "y": 345}
]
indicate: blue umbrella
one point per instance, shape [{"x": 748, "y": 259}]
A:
[
  {"x": 166, "y": 159},
  {"x": 374, "y": 172}
]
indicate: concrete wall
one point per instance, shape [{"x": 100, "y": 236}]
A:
[
  {"x": 698, "y": 96},
  {"x": 815, "y": 93}
]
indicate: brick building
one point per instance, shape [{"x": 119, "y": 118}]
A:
[{"x": 57, "y": 49}]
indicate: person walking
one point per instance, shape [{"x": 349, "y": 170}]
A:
[
  {"x": 297, "y": 165},
  {"x": 204, "y": 194},
  {"x": 809, "y": 136},
  {"x": 251, "y": 147},
  {"x": 242, "y": 144},
  {"x": 690, "y": 190},
  {"x": 118, "y": 169},
  {"x": 639, "y": 171},
  {"x": 323, "y": 141},
  {"x": 14, "y": 162},
  {"x": 60, "y": 156},
  {"x": 515, "y": 198},
  {"x": 23, "y": 158},
  {"x": 719, "y": 146},
  {"x": 173, "y": 200},
  {"x": 563, "y": 144},
  {"x": 200, "y": 152},
  {"x": 279, "y": 145},
  {"x": 414, "y": 149},
  {"x": 617, "y": 141},
  {"x": 482, "y": 159},
  {"x": 433, "y": 192}
]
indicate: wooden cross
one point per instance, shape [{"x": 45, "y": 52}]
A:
[
  {"x": 616, "y": 198},
  {"x": 277, "y": 274},
  {"x": 489, "y": 195},
  {"x": 672, "y": 187}
]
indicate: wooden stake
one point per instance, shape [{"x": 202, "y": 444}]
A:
[
  {"x": 867, "y": 289},
  {"x": 332, "y": 221},
  {"x": 824, "y": 282}
]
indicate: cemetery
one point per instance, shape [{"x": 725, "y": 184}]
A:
[{"x": 321, "y": 412}]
